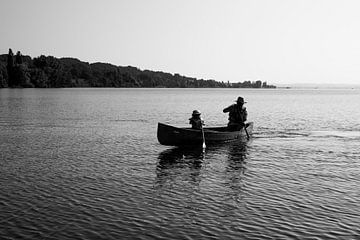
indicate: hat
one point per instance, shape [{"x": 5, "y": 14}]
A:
[
  {"x": 196, "y": 112},
  {"x": 240, "y": 100}
]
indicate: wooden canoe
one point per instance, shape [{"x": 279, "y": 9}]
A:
[{"x": 175, "y": 136}]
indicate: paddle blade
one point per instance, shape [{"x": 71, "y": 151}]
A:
[{"x": 247, "y": 134}]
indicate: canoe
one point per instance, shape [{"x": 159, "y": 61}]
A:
[{"x": 174, "y": 136}]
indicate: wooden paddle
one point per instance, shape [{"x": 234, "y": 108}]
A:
[
  {"x": 203, "y": 136},
  {"x": 247, "y": 134}
]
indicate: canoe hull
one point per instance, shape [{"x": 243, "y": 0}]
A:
[{"x": 174, "y": 136}]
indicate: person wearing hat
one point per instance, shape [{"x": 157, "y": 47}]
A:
[
  {"x": 195, "y": 120},
  {"x": 237, "y": 115}
]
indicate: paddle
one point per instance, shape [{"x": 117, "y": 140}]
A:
[
  {"x": 203, "y": 136},
  {"x": 247, "y": 134}
]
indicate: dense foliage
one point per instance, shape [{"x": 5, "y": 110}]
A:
[{"x": 51, "y": 72}]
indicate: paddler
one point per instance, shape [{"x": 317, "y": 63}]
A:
[
  {"x": 195, "y": 120},
  {"x": 237, "y": 115}
]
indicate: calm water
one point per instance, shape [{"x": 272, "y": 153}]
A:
[{"x": 86, "y": 164}]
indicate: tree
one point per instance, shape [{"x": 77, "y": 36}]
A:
[
  {"x": 3, "y": 82},
  {"x": 22, "y": 76},
  {"x": 38, "y": 78},
  {"x": 18, "y": 58},
  {"x": 258, "y": 84},
  {"x": 48, "y": 71},
  {"x": 10, "y": 67}
]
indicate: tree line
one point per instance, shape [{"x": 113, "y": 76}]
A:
[{"x": 50, "y": 72}]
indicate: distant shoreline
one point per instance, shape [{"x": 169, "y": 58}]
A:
[
  {"x": 197, "y": 88},
  {"x": 51, "y": 72},
  {"x": 318, "y": 86}
]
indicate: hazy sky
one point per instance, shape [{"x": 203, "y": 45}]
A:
[{"x": 278, "y": 41}]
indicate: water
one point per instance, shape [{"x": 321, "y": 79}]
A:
[{"x": 86, "y": 164}]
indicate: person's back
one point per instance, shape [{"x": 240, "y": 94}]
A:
[
  {"x": 195, "y": 120},
  {"x": 237, "y": 115}
]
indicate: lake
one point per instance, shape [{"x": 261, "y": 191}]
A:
[{"x": 86, "y": 164}]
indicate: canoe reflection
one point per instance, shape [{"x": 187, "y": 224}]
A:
[
  {"x": 237, "y": 156},
  {"x": 235, "y": 170},
  {"x": 180, "y": 154},
  {"x": 182, "y": 164}
]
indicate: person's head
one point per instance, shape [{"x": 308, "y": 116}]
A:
[
  {"x": 240, "y": 101},
  {"x": 196, "y": 113}
]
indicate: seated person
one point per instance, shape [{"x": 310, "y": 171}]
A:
[
  {"x": 196, "y": 121},
  {"x": 237, "y": 115}
]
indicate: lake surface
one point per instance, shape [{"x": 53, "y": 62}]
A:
[{"x": 86, "y": 164}]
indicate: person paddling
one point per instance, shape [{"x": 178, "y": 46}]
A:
[
  {"x": 237, "y": 115},
  {"x": 195, "y": 120}
]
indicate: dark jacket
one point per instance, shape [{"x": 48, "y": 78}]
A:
[
  {"x": 196, "y": 122},
  {"x": 237, "y": 115}
]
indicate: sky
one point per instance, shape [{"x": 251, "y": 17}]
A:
[{"x": 277, "y": 41}]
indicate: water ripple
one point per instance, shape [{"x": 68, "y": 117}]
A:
[{"x": 71, "y": 168}]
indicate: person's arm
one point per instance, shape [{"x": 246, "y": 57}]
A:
[
  {"x": 227, "y": 109},
  {"x": 245, "y": 115}
]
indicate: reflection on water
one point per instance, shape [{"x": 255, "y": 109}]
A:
[
  {"x": 187, "y": 164},
  {"x": 190, "y": 180},
  {"x": 179, "y": 162},
  {"x": 237, "y": 155},
  {"x": 177, "y": 154},
  {"x": 235, "y": 170}
]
